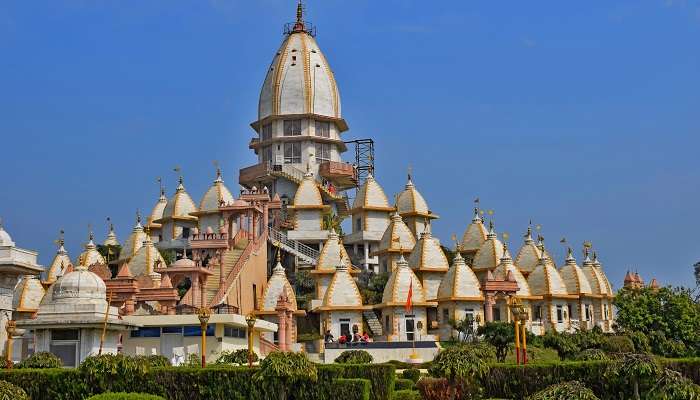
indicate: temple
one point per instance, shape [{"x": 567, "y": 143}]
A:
[{"x": 303, "y": 215}]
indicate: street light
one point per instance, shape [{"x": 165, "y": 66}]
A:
[
  {"x": 11, "y": 329},
  {"x": 203, "y": 314},
  {"x": 250, "y": 320}
]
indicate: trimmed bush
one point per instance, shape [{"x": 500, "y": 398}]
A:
[
  {"x": 565, "y": 391},
  {"x": 406, "y": 395},
  {"x": 592, "y": 355},
  {"x": 125, "y": 396},
  {"x": 404, "y": 384},
  {"x": 354, "y": 357},
  {"x": 114, "y": 372},
  {"x": 42, "y": 359},
  {"x": 618, "y": 344},
  {"x": 439, "y": 389},
  {"x": 351, "y": 389},
  {"x": 154, "y": 360},
  {"x": 236, "y": 357},
  {"x": 412, "y": 374},
  {"x": 9, "y": 391}
]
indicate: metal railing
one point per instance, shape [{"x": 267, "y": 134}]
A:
[{"x": 297, "y": 248}]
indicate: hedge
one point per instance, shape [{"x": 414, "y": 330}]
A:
[
  {"x": 351, "y": 389},
  {"x": 232, "y": 383},
  {"x": 404, "y": 384},
  {"x": 125, "y": 396},
  {"x": 512, "y": 381},
  {"x": 8, "y": 391},
  {"x": 406, "y": 395}
]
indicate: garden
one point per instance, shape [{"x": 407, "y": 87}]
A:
[{"x": 653, "y": 354}]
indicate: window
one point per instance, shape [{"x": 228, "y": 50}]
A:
[
  {"x": 345, "y": 327},
  {"x": 196, "y": 330},
  {"x": 538, "y": 313},
  {"x": 65, "y": 334},
  {"x": 323, "y": 129},
  {"x": 230, "y": 331},
  {"x": 588, "y": 313},
  {"x": 358, "y": 224},
  {"x": 497, "y": 313},
  {"x": 323, "y": 151},
  {"x": 292, "y": 153},
  {"x": 445, "y": 315},
  {"x": 255, "y": 297},
  {"x": 387, "y": 324},
  {"x": 65, "y": 344},
  {"x": 568, "y": 307},
  {"x": 292, "y": 127},
  {"x": 146, "y": 332},
  {"x": 267, "y": 131},
  {"x": 266, "y": 154},
  {"x": 560, "y": 314},
  {"x": 172, "y": 329},
  {"x": 410, "y": 329},
  {"x": 185, "y": 233}
]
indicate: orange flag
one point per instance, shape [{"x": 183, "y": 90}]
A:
[{"x": 409, "y": 304}]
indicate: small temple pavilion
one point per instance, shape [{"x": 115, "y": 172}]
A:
[
  {"x": 396, "y": 240},
  {"x": 474, "y": 236},
  {"x": 402, "y": 323},
  {"x": 459, "y": 297},
  {"x": 580, "y": 308},
  {"x": 370, "y": 216},
  {"x": 413, "y": 208}
]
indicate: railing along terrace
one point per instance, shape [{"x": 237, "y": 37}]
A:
[{"x": 278, "y": 237}]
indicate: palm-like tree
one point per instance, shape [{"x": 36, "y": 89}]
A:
[{"x": 460, "y": 363}]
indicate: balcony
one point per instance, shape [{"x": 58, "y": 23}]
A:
[
  {"x": 255, "y": 173},
  {"x": 341, "y": 173}
]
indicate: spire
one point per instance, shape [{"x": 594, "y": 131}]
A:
[
  {"x": 506, "y": 254},
  {"x": 162, "y": 188},
  {"x": 543, "y": 256},
  {"x": 218, "y": 173},
  {"x": 300, "y": 13},
  {"x": 61, "y": 241},
  {"x": 528, "y": 235},
  {"x": 477, "y": 218},
  {"x": 138, "y": 218},
  {"x": 492, "y": 231},
  {"x": 570, "y": 256}
]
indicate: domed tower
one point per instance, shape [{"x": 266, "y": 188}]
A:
[{"x": 299, "y": 122}]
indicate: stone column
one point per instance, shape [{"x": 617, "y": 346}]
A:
[
  {"x": 366, "y": 255},
  {"x": 282, "y": 330},
  {"x": 196, "y": 296},
  {"x": 288, "y": 331},
  {"x": 488, "y": 303},
  {"x": 222, "y": 278}
]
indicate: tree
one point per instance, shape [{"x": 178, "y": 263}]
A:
[
  {"x": 305, "y": 288},
  {"x": 638, "y": 371},
  {"x": 460, "y": 363},
  {"x": 372, "y": 286},
  {"x": 500, "y": 335},
  {"x": 673, "y": 386},
  {"x": 466, "y": 330},
  {"x": 573, "y": 390},
  {"x": 235, "y": 357},
  {"x": 669, "y": 311},
  {"x": 286, "y": 369},
  {"x": 566, "y": 344},
  {"x": 42, "y": 359}
]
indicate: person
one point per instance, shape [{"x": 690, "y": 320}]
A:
[
  {"x": 365, "y": 338},
  {"x": 328, "y": 337},
  {"x": 356, "y": 337},
  {"x": 342, "y": 339}
]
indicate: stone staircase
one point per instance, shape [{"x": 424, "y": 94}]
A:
[
  {"x": 373, "y": 322},
  {"x": 230, "y": 258}
]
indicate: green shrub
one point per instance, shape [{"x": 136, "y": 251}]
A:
[
  {"x": 354, "y": 357},
  {"x": 640, "y": 341},
  {"x": 351, "y": 389},
  {"x": 9, "y": 391},
  {"x": 618, "y": 344},
  {"x": 42, "y": 359},
  {"x": 565, "y": 391},
  {"x": 406, "y": 395},
  {"x": 592, "y": 355},
  {"x": 439, "y": 389},
  {"x": 236, "y": 357},
  {"x": 193, "y": 360},
  {"x": 125, "y": 396},
  {"x": 412, "y": 374},
  {"x": 404, "y": 384},
  {"x": 114, "y": 372},
  {"x": 154, "y": 360}
]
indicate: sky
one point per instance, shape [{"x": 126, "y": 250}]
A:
[{"x": 583, "y": 117}]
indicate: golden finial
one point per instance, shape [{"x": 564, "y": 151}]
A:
[
  {"x": 91, "y": 235},
  {"x": 218, "y": 170},
  {"x": 587, "y": 244},
  {"x": 279, "y": 256},
  {"x": 160, "y": 184},
  {"x": 179, "y": 171},
  {"x": 505, "y": 236},
  {"x": 410, "y": 171},
  {"x": 60, "y": 241},
  {"x": 138, "y": 216},
  {"x": 490, "y": 212}
]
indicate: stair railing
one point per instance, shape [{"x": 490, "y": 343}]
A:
[{"x": 297, "y": 248}]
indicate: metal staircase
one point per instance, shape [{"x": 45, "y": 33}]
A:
[
  {"x": 297, "y": 248},
  {"x": 373, "y": 322}
]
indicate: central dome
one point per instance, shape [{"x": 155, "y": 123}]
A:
[{"x": 300, "y": 80}]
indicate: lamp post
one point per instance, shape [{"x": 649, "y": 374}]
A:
[
  {"x": 250, "y": 320},
  {"x": 11, "y": 329},
  {"x": 203, "y": 314}
]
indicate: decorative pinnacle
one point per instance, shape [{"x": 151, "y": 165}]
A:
[
  {"x": 160, "y": 184},
  {"x": 111, "y": 225},
  {"x": 410, "y": 172},
  {"x": 61, "y": 241},
  {"x": 91, "y": 235},
  {"x": 138, "y": 217},
  {"x": 300, "y": 12}
]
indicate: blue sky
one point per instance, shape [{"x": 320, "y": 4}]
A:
[{"x": 582, "y": 117}]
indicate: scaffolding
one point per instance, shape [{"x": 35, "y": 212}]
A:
[{"x": 364, "y": 158}]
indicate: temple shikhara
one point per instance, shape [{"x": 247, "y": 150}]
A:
[{"x": 311, "y": 211}]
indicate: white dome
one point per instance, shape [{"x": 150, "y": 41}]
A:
[
  {"x": 300, "y": 80},
  {"x": 217, "y": 193},
  {"x": 5, "y": 238},
  {"x": 79, "y": 284}
]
